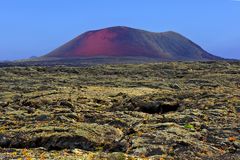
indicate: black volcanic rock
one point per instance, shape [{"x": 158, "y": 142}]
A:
[{"x": 125, "y": 41}]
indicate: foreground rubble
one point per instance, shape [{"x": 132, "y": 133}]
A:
[{"x": 170, "y": 110}]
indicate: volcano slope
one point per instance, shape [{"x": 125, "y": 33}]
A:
[
  {"x": 168, "y": 110},
  {"x": 121, "y": 41}
]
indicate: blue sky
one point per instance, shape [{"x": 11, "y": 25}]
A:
[{"x": 35, "y": 27}]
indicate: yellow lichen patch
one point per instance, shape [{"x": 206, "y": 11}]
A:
[{"x": 106, "y": 91}]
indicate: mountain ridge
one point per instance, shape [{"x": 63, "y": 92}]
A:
[{"x": 123, "y": 41}]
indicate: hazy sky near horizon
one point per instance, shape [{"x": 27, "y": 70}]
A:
[{"x": 33, "y": 28}]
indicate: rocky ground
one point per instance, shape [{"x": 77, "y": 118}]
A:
[{"x": 168, "y": 110}]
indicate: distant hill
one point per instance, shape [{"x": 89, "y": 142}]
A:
[{"x": 125, "y": 41}]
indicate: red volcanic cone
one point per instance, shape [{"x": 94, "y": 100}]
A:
[{"x": 125, "y": 41}]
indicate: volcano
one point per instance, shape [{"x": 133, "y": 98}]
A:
[{"x": 125, "y": 41}]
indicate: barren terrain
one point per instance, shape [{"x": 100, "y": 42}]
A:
[{"x": 167, "y": 110}]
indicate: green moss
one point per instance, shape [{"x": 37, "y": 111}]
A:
[{"x": 189, "y": 126}]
